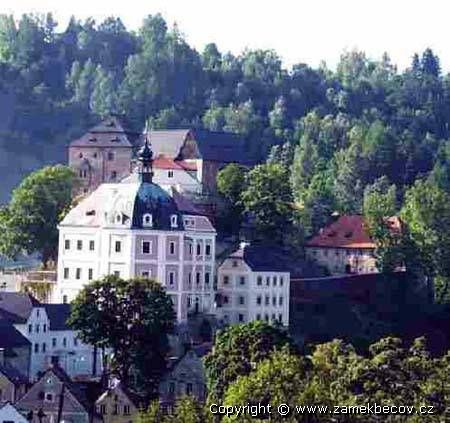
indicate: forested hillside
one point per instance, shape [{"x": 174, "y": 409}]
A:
[{"x": 337, "y": 130}]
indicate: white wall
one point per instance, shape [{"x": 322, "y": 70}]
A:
[
  {"x": 273, "y": 290},
  {"x": 8, "y": 413}
]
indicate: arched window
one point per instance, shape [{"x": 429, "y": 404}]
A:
[
  {"x": 174, "y": 221},
  {"x": 147, "y": 220},
  {"x": 118, "y": 218}
]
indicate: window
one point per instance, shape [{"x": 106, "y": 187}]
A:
[
  {"x": 66, "y": 273},
  {"x": 174, "y": 221},
  {"x": 259, "y": 280},
  {"x": 189, "y": 278},
  {"x": 48, "y": 397},
  {"x": 64, "y": 299},
  {"x": 280, "y": 317},
  {"x": 225, "y": 299},
  {"x": 226, "y": 279},
  {"x": 113, "y": 175},
  {"x": 274, "y": 281},
  {"x": 44, "y": 328},
  {"x": 146, "y": 247},
  {"x": 116, "y": 409},
  {"x": 172, "y": 248},
  {"x": 118, "y": 246},
  {"x": 258, "y": 316},
  {"x": 44, "y": 347},
  {"x": 281, "y": 280},
  {"x": 241, "y": 317},
  {"x": 199, "y": 249},
  {"x": 171, "y": 278},
  {"x": 94, "y": 155},
  {"x": 197, "y": 278},
  {"x": 53, "y": 342},
  {"x": 280, "y": 301},
  {"x": 30, "y": 328},
  {"x": 126, "y": 410},
  {"x": 241, "y": 300},
  {"x": 258, "y": 300},
  {"x": 147, "y": 220},
  {"x": 235, "y": 263},
  {"x": 90, "y": 274},
  {"x": 78, "y": 273},
  {"x": 145, "y": 274},
  {"x": 267, "y": 300},
  {"x": 110, "y": 156},
  {"x": 266, "y": 317},
  {"x": 172, "y": 388},
  {"x": 207, "y": 276},
  {"x": 36, "y": 348},
  {"x": 268, "y": 280},
  {"x": 274, "y": 301},
  {"x": 37, "y": 328},
  {"x": 64, "y": 342},
  {"x": 103, "y": 409},
  {"x": 79, "y": 245},
  {"x": 208, "y": 249},
  {"x": 67, "y": 244},
  {"x": 242, "y": 280},
  {"x": 188, "y": 388},
  {"x": 170, "y": 174},
  {"x": 190, "y": 249},
  {"x": 274, "y": 317},
  {"x": 80, "y": 155},
  {"x": 38, "y": 312},
  {"x": 117, "y": 273},
  {"x": 91, "y": 245}
]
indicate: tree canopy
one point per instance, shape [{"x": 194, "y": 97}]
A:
[
  {"x": 132, "y": 318},
  {"x": 29, "y": 222}
]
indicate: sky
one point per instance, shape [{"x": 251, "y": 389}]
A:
[{"x": 300, "y": 31}]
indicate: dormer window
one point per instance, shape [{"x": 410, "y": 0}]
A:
[
  {"x": 118, "y": 218},
  {"x": 147, "y": 220},
  {"x": 174, "y": 221}
]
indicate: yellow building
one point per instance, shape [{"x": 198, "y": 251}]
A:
[{"x": 117, "y": 405}]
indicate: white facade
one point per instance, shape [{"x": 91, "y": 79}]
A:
[
  {"x": 8, "y": 413},
  {"x": 248, "y": 295},
  {"x": 75, "y": 357},
  {"x": 97, "y": 238},
  {"x": 182, "y": 180}
]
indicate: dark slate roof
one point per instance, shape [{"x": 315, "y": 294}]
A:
[
  {"x": 151, "y": 198},
  {"x": 10, "y": 337},
  {"x": 109, "y": 133},
  {"x": 58, "y": 315},
  {"x": 272, "y": 258},
  {"x": 16, "y": 307},
  {"x": 13, "y": 374},
  {"x": 224, "y": 147}
]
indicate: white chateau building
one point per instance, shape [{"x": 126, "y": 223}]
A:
[
  {"x": 254, "y": 284},
  {"x": 136, "y": 228}
]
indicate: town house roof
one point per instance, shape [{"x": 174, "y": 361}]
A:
[{"x": 348, "y": 231}]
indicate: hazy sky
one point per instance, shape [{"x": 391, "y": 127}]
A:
[{"x": 299, "y": 30}]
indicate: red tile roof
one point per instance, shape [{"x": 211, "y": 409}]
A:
[
  {"x": 348, "y": 232},
  {"x": 163, "y": 162}
]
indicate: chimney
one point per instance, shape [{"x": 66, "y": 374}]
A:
[
  {"x": 2, "y": 356},
  {"x": 243, "y": 245}
]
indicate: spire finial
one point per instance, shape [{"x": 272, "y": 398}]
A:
[{"x": 145, "y": 156}]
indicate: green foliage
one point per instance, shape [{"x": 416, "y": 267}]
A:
[
  {"x": 133, "y": 318},
  {"x": 268, "y": 200},
  {"x": 236, "y": 352},
  {"x": 335, "y": 375},
  {"x": 29, "y": 222},
  {"x": 426, "y": 211}
]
